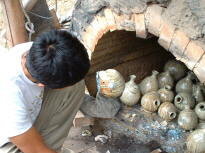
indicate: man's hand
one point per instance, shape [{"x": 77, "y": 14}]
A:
[{"x": 31, "y": 142}]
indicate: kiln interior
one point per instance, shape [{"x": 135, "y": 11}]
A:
[{"x": 123, "y": 51}]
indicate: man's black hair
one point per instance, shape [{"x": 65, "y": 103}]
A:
[{"x": 57, "y": 59}]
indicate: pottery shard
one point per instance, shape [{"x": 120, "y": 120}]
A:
[{"x": 156, "y": 151}]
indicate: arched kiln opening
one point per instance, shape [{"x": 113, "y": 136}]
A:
[{"x": 123, "y": 51}]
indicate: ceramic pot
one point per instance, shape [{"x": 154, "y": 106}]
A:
[
  {"x": 202, "y": 87},
  {"x": 197, "y": 93},
  {"x": 165, "y": 94},
  {"x": 187, "y": 119},
  {"x": 195, "y": 141},
  {"x": 176, "y": 68},
  {"x": 110, "y": 83},
  {"x": 131, "y": 93},
  {"x": 193, "y": 77},
  {"x": 200, "y": 110},
  {"x": 201, "y": 124},
  {"x": 184, "y": 85},
  {"x": 165, "y": 79},
  {"x": 150, "y": 83},
  {"x": 150, "y": 101},
  {"x": 182, "y": 99},
  {"x": 167, "y": 111}
]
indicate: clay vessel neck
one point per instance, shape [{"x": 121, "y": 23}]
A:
[
  {"x": 154, "y": 73},
  {"x": 172, "y": 115},
  {"x": 157, "y": 103},
  {"x": 167, "y": 87},
  {"x": 179, "y": 99},
  {"x": 186, "y": 107},
  {"x": 132, "y": 78},
  {"x": 202, "y": 107}
]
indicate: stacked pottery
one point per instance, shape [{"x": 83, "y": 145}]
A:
[
  {"x": 185, "y": 85},
  {"x": 131, "y": 93},
  {"x": 187, "y": 119},
  {"x": 176, "y": 68},
  {"x": 196, "y": 141},
  {"x": 150, "y": 101},
  {"x": 202, "y": 87},
  {"x": 182, "y": 99},
  {"x": 165, "y": 79},
  {"x": 200, "y": 110},
  {"x": 193, "y": 77},
  {"x": 165, "y": 94},
  {"x": 110, "y": 83},
  {"x": 149, "y": 84},
  {"x": 197, "y": 93},
  {"x": 167, "y": 111}
]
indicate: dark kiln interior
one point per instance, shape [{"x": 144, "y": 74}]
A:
[{"x": 123, "y": 51}]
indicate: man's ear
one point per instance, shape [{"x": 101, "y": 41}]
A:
[{"x": 40, "y": 85}]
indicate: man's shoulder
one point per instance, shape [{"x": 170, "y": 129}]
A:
[
  {"x": 9, "y": 89},
  {"x": 22, "y": 46}
]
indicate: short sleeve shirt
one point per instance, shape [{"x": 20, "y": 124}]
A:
[{"x": 20, "y": 98}]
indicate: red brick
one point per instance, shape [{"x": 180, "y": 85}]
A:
[
  {"x": 110, "y": 19},
  {"x": 140, "y": 27},
  {"x": 179, "y": 44},
  {"x": 192, "y": 54},
  {"x": 166, "y": 35},
  {"x": 123, "y": 20},
  {"x": 89, "y": 36},
  {"x": 199, "y": 69},
  {"x": 153, "y": 19}
]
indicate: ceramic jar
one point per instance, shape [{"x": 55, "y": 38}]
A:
[
  {"x": 197, "y": 93},
  {"x": 187, "y": 119},
  {"x": 149, "y": 84},
  {"x": 150, "y": 101},
  {"x": 165, "y": 79},
  {"x": 167, "y": 111},
  {"x": 131, "y": 93},
  {"x": 176, "y": 68},
  {"x": 201, "y": 124},
  {"x": 182, "y": 99},
  {"x": 193, "y": 77},
  {"x": 110, "y": 83},
  {"x": 184, "y": 85},
  {"x": 165, "y": 94},
  {"x": 202, "y": 87},
  {"x": 195, "y": 141},
  {"x": 200, "y": 110}
]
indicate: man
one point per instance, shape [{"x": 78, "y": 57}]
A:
[{"x": 41, "y": 89}]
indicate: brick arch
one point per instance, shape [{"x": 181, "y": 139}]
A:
[{"x": 151, "y": 21}]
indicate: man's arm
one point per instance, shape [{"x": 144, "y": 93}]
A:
[{"x": 31, "y": 142}]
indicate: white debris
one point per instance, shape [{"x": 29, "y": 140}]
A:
[
  {"x": 107, "y": 151},
  {"x": 86, "y": 133},
  {"x": 101, "y": 138},
  {"x": 108, "y": 133},
  {"x": 164, "y": 123}
]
